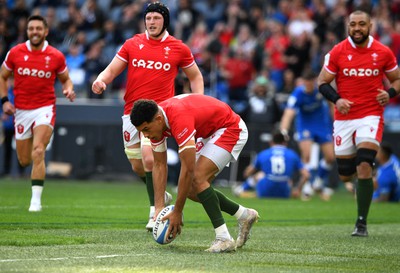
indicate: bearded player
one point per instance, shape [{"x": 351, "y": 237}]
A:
[
  {"x": 153, "y": 60},
  {"x": 359, "y": 65},
  {"x": 35, "y": 66}
]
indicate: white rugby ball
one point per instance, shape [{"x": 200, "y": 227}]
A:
[{"x": 161, "y": 227}]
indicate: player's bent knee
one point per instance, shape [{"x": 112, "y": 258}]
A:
[
  {"x": 365, "y": 155},
  {"x": 133, "y": 153},
  {"x": 346, "y": 166}
]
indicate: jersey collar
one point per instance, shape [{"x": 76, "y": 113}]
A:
[
  {"x": 28, "y": 45},
  {"x": 370, "y": 40},
  {"x": 165, "y": 117},
  {"x": 163, "y": 38}
]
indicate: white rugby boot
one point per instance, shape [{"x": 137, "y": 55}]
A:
[
  {"x": 222, "y": 245},
  {"x": 245, "y": 224}
]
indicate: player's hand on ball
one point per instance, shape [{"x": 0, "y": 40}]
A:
[
  {"x": 98, "y": 87},
  {"x": 175, "y": 223}
]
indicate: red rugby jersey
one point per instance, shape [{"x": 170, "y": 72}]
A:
[
  {"x": 359, "y": 73},
  {"x": 34, "y": 74},
  {"x": 198, "y": 115},
  {"x": 152, "y": 67}
]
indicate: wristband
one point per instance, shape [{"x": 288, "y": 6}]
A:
[
  {"x": 329, "y": 93},
  {"x": 4, "y": 99},
  {"x": 392, "y": 92}
]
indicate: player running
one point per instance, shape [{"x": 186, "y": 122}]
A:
[
  {"x": 359, "y": 65},
  {"x": 35, "y": 66}
]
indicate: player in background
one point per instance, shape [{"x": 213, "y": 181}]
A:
[
  {"x": 387, "y": 180},
  {"x": 278, "y": 166},
  {"x": 313, "y": 123},
  {"x": 153, "y": 60},
  {"x": 210, "y": 136},
  {"x": 35, "y": 66},
  {"x": 359, "y": 65}
]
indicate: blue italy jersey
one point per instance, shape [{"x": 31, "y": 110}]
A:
[
  {"x": 279, "y": 164},
  {"x": 313, "y": 119},
  {"x": 388, "y": 179}
]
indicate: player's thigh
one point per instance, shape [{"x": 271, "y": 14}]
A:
[
  {"x": 147, "y": 154},
  {"x": 328, "y": 152},
  {"x": 42, "y": 135},
  {"x": 305, "y": 149},
  {"x": 24, "y": 150},
  {"x": 210, "y": 162}
]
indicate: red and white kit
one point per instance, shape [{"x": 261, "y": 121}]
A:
[
  {"x": 34, "y": 71},
  {"x": 204, "y": 117},
  {"x": 152, "y": 67},
  {"x": 360, "y": 72}
]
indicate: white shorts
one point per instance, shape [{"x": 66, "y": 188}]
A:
[
  {"x": 347, "y": 134},
  {"x": 220, "y": 156},
  {"x": 130, "y": 134},
  {"x": 26, "y": 120}
]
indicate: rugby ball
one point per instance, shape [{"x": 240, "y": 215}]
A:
[{"x": 161, "y": 227}]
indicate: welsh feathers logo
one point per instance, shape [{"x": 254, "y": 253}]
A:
[
  {"x": 166, "y": 51},
  {"x": 47, "y": 59}
]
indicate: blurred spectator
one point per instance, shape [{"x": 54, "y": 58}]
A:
[
  {"x": 275, "y": 47},
  {"x": 94, "y": 63},
  {"x": 244, "y": 41},
  {"x": 238, "y": 70},
  {"x": 19, "y": 11},
  {"x": 212, "y": 11},
  {"x": 20, "y": 34},
  {"x": 198, "y": 41},
  {"x": 297, "y": 54},
  {"x": 260, "y": 28},
  {"x": 263, "y": 106},
  {"x": 93, "y": 16},
  {"x": 187, "y": 20},
  {"x": 75, "y": 59},
  {"x": 130, "y": 22}
]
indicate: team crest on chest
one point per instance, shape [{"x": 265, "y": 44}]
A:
[
  {"x": 47, "y": 59},
  {"x": 166, "y": 51}
]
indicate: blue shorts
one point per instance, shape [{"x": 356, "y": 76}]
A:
[
  {"x": 320, "y": 136},
  {"x": 270, "y": 189}
]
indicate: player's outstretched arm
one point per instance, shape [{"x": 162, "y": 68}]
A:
[{"x": 108, "y": 75}]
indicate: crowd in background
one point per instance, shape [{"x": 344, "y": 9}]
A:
[{"x": 239, "y": 45}]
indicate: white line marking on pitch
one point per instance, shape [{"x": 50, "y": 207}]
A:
[{"x": 70, "y": 258}]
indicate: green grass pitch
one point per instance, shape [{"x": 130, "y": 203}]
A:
[{"x": 94, "y": 226}]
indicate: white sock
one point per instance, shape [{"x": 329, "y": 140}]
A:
[
  {"x": 240, "y": 212},
  {"x": 36, "y": 194},
  {"x": 152, "y": 211},
  {"x": 222, "y": 232}
]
